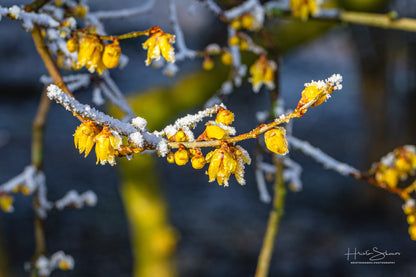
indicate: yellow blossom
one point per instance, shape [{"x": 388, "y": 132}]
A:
[
  {"x": 262, "y": 72},
  {"x": 243, "y": 44},
  {"x": 312, "y": 91},
  {"x": 411, "y": 219},
  {"x": 181, "y": 156},
  {"x": 84, "y": 136},
  {"x": 111, "y": 54},
  {"x": 106, "y": 144},
  {"x": 6, "y": 202},
  {"x": 275, "y": 140},
  {"x": 389, "y": 176},
  {"x": 90, "y": 54},
  {"x": 247, "y": 21},
  {"x": 236, "y": 24},
  {"x": 80, "y": 10},
  {"x": 215, "y": 132},
  {"x": 222, "y": 165},
  {"x": 158, "y": 44},
  {"x": 303, "y": 8},
  {"x": 178, "y": 136},
  {"x": 225, "y": 117}
]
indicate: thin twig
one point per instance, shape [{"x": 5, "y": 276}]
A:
[{"x": 273, "y": 224}]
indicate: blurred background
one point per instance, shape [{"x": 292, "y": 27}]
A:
[{"x": 157, "y": 219}]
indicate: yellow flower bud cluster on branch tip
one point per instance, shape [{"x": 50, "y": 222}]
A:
[
  {"x": 6, "y": 202},
  {"x": 159, "y": 44},
  {"x": 218, "y": 129},
  {"x": 246, "y": 21},
  {"x": 396, "y": 166},
  {"x": 106, "y": 142},
  {"x": 262, "y": 72},
  {"x": 276, "y": 141},
  {"x": 304, "y": 8},
  {"x": 93, "y": 54}
]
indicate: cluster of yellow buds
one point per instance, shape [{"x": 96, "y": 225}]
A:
[
  {"x": 246, "y": 21},
  {"x": 6, "y": 202},
  {"x": 22, "y": 188},
  {"x": 159, "y": 44},
  {"x": 304, "y": 8},
  {"x": 237, "y": 40},
  {"x": 106, "y": 142},
  {"x": 276, "y": 141},
  {"x": 262, "y": 72},
  {"x": 219, "y": 129},
  {"x": 396, "y": 166},
  {"x": 409, "y": 209},
  {"x": 93, "y": 54},
  {"x": 227, "y": 160}
]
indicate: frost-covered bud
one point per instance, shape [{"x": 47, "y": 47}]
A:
[
  {"x": 276, "y": 141},
  {"x": 181, "y": 156},
  {"x": 215, "y": 132},
  {"x": 111, "y": 55}
]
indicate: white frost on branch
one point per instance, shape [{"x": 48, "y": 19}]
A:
[
  {"x": 250, "y": 6},
  {"x": 73, "y": 198},
  {"x": 73, "y": 82},
  {"x": 189, "y": 121},
  {"x": 29, "y": 18},
  {"x": 123, "y": 13},
  {"x": 30, "y": 178},
  {"x": 260, "y": 180},
  {"x": 292, "y": 173},
  {"x": 58, "y": 260},
  {"x": 183, "y": 51},
  {"x": 319, "y": 156},
  {"x": 212, "y": 6}
]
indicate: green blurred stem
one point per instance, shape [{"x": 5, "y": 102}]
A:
[
  {"x": 386, "y": 21},
  {"x": 37, "y": 159},
  {"x": 273, "y": 224}
]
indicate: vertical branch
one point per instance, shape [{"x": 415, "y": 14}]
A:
[{"x": 273, "y": 224}]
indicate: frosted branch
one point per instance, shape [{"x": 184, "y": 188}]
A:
[
  {"x": 58, "y": 260},
  {"x": 74, "y": 199},
  {"x": 212, "y": 6},
  {"x": 73, "y": 82},
  {"x": 261, "y": 182},
  {"x": 183, "y": 51},
  {"x": 30, "y": 178},
  {"x": 292, "y": 174},
  {"x": 29, "y": 18},
  {"x": 327, "y": 161},
  {"x": 123, "y": 13}
]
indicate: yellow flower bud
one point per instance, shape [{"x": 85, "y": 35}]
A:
[
  {"x": 181, "y": 156},
  {"x": 111, "y": 54},
  {"x": 63, "y": 265},
  {"x": 80, "y": 10},
  {"x": 234, "y": 40},
  {"x": 221, "y": 166},
  {"x": 84, "y": 136},
  {"x": 310, "y": 92},
  {"x": 215, "y": 132},
  {"x": 72, "y": 44},
  {"x": 235, "y": 24},
  {"x": 243, "y": 44},
  {"x": 226, "y": 58},
  {"x": 412, "y": 231},
  {"x": 179, "y": 136},
  {"x": 6, "y": 202},
  {"x": 208, "y": 64},
  {"x": 170, "y": 157},
  {"x": 225, "y": 117},
  {"x": 198, "y": 162},
  {"x": 25, "y": 190},
  {"x": 411, "y": 219},
  {"x": 403, "y": 165},
  {"x": 275, "y": 140},
  {"x": 247, "y": 21}
]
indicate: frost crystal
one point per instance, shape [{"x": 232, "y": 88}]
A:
[
  {"x": 136, "y": 139},
  {"x": 162, "y": 148},
  {"x": 139, "y": 122}
]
